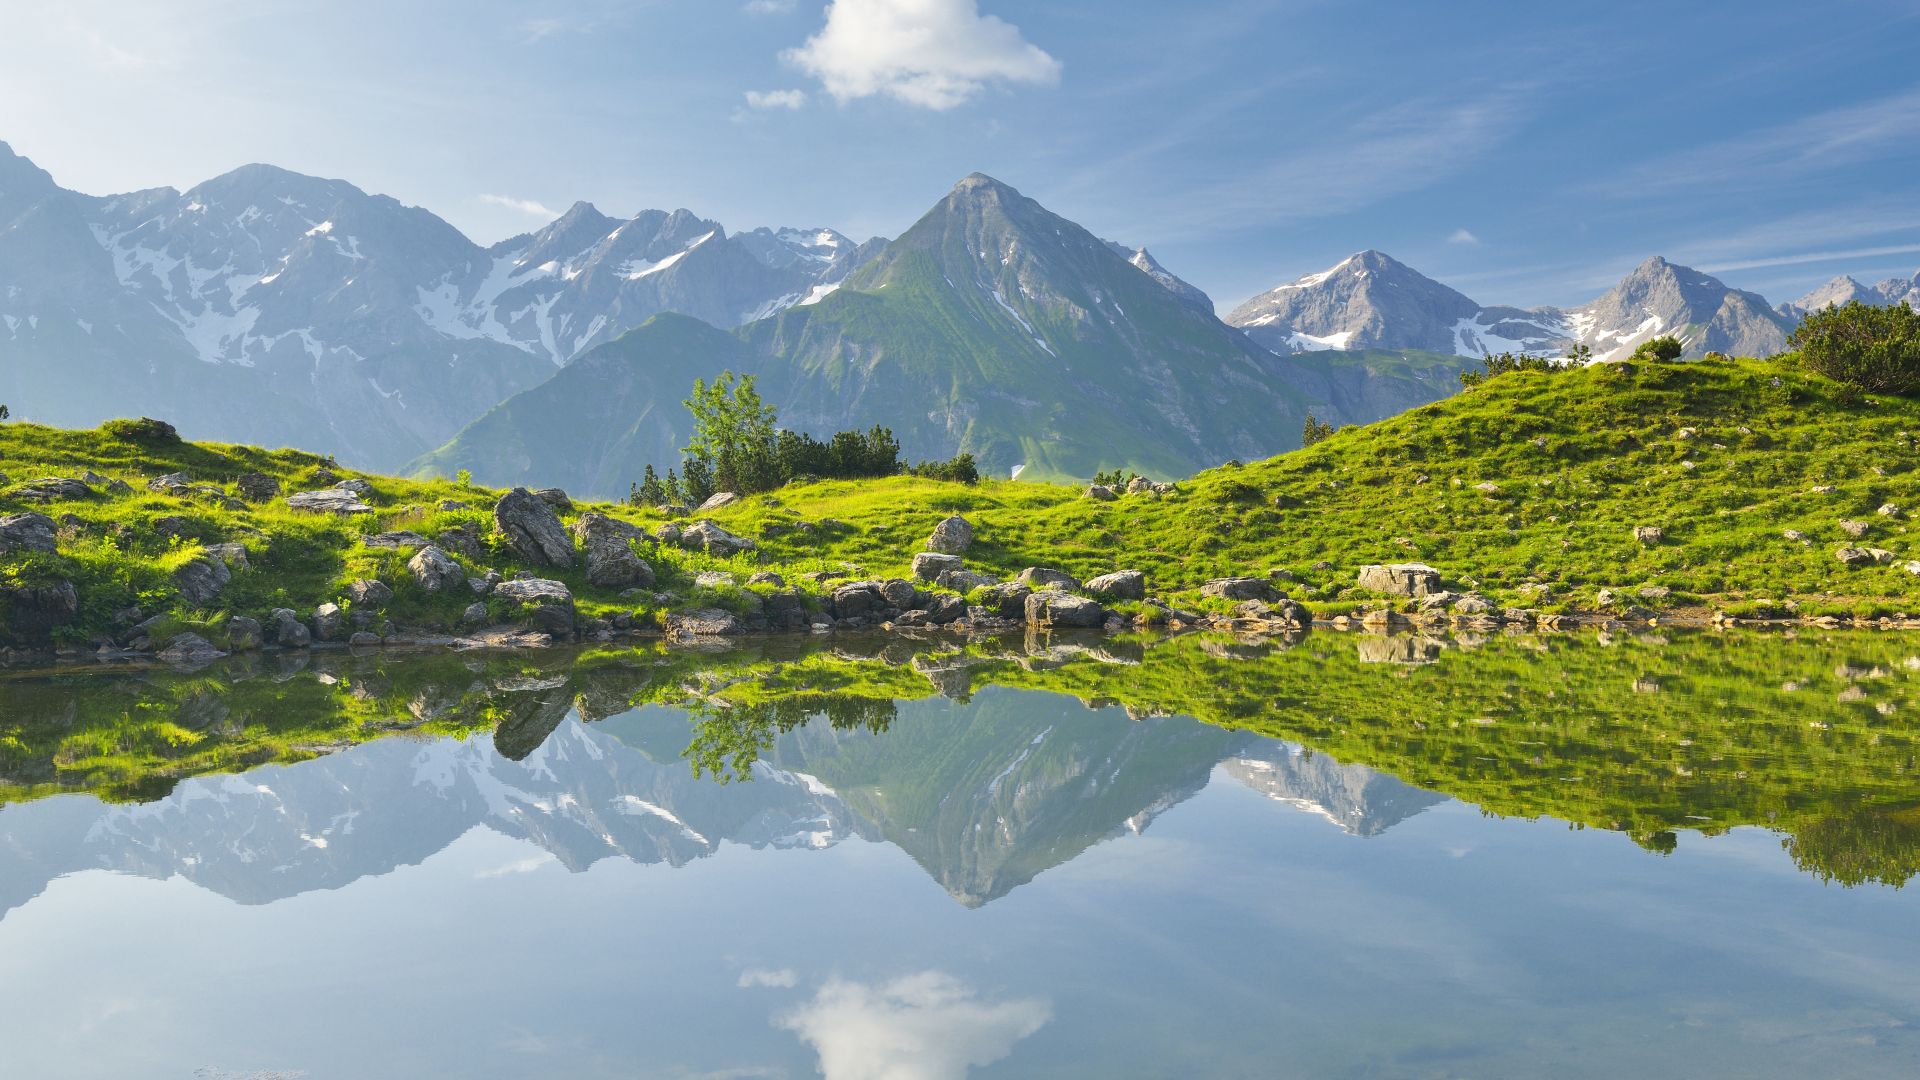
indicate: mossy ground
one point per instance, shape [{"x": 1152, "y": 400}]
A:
[{"x": 1723, "y": 455}]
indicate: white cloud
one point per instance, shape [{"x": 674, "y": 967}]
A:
[
  {"x": 780, "y": 979},
  {"x": 526, "y": 206},
  {"x": 1463, "y": 236},
  {"x": 932, "y": 53},
  {"x": 776, "y": 99},
  {"x": 929, "y": 1026}
]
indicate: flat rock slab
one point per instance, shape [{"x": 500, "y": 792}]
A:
[{"x": 329, "y": 501}]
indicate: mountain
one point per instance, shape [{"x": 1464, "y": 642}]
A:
[
  {"x": 1358, "y": 800},
  {"x": 1844, "y": 290},
  {"x": 270, "y": 307},
  {"x": 1370, "y": 300},
  {"x": 992, "y": 326}
]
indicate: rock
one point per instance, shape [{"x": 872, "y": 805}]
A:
[
  {"x": 328, "y": 622},
  {"x": 447, "y": 505},
  {"x": 1240, "y": 588},
  {"x": 462, "y": 540},
  {"x": 171, "y": 484},
  {"x": 257, "y": 487},
  {"x": 328, "y": 501},
  {"x": 531, "y": 529},
  {"x": 368, "y": 593},
  {"x": 1655, "y": 592},
  {"x": 475, "y": 615},
  {"x": 1824, "y": 489},
  {"x": 1649, "y": 534},
  {"x": 435, "y": 570},
  {"x": 717, "y": 500},
  {"x": 942, "y": 610},
  {"x": 713, "y": 579},
  {"x": 1101, "y": 493},
  {"x": 1855, "y": 529},
  {"x": 856, "y": 600},
  {"x": 50, "y": 488},
  {"x": 1060, "y": 610},
  {"x": 1040, "y": 577},
  {"x": 1400, "y": 579},
  {"x": 953, "y": 536},
  {"x": 358, "y": 487},
  {"x": 29, "y": 614},
  {"x": 611, "y": 561},
  {"x": 189, "y": 649},
  {"x": 28, "y": 532},
  {"x": 1487, "y": 487},
  {"x": 1793, "y": 534},
  {"x": 243, "y": 634},
  {"x": 767, "y": 577},
  {"x": 965, "y": 581},
  {"x": 1119, "y": 585},
  {"x": 1888, "y": 510},
  {"x": 1536, "y": 591},
  {"x": 285, "y": 629},
  {"x": 550, "y": 603},
  {"x": 703, "y": 623},
  {"x": 669, "y": 534},
  {"x": 1007, "y": 600},
  {"x": 1472, "y": 604},
  {"x": 1856, "y": 556},
  {"x": 201, "y": 580},
  {"x": 714, "y": 540},
  {"x": 556, "y": 499},
  {"x": 1139, "y": 485},
  {"x": 929, "y": 565},
  {"x": 395, "y": 540},
  {"x": 233, "y": 554},
  {"x": 363, "y": 639}
]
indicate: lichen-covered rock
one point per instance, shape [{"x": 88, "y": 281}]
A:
[
  {"x": 611, "y": 561},
  {"x": 1050, "y": 608},
  {"x": 435, "y": 570},
  {"x": 28, "y": 532},
  {"x": 51, "y": 488},
  {"x": 555, "y": 498},
  {"x": 1400, "y": 579},
  {"x": 328, "y": 501},
  {"x": 1006, "y": 600},
  {"x": 1119, "y": 585},
  {"x": 1041, "y": 577},
  {"x": 952, "y": 536},
  {"x": 1649, "y": 534},
  {"x": 703, "y": 623},
  {"x": 1856, "y": 556},
  {"x": 929, "y": 565},
  {"x": 531, "y": 529},
  {"x": 858, "y": 599}
]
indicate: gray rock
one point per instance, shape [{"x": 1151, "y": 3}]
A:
[
  {"x": 464, "y": 541},
  {"x": 190, "y": 649},
  {"x": 1119, "y": 585},
  {"x": 233, "y": 554},
  {"x": 34, "y": 612},
  {"x": 549, "y": 603},
  {"x": 1400, "y": 579},
  {"x": 475, "y": 615},
  {"x": 328, "y": 501},
  {"x": 1649, "y": 534},
  {"x": 257, "y": 487},
  {"x": 285, "y": 629},
  {"x": 717, "y": 500},
  {"x": 368, "y": 593},
  {"x": 714, "y": 540},
  {"x": 1856, "y": 556},
  {"x": 767, "y": 577},
  {"x": 703, "y": 623},
  {"x": 1041, "y": 577},
  {"x": 1855, "y": 529},
  {"x": 1888, "y": 510},
  {"x": 201, "y": 580},
  {"x": 930, "y": 565},
  {"x": 1061, "y": 610},
  {"x": 555, "y": 498},
  {"x": 28, "y": 532},
  {"x": 1139, "y": 485},
  {"x": 170, "y": 484},
  {"x": 359, "y": 487},
  {"x": 1243, "y": 588},
  {"x": 329, "y": 622},
  {"x": 965, "y": 581},
  {"x": 952, "y": 536},
  {"x": 1006, "y": 600},
  {"x": 363, "y": 639},
  {"x": 397, "y": 541},
  {"x": 1101, "y": 493},
  {"x": 857, "y": 599},
  {"x": 531, "y": 529},
  {"x": 243, "y": 634},
  {"x": 1793, "y": 534},
  {"x": 611, "y": 561},
  {"x": 50, "y": 488},
  {"x": 435, "y": 570},
  {"x": 714, "y": 579}
]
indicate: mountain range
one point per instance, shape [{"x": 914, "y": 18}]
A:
[{"x": 270, "y": 307}]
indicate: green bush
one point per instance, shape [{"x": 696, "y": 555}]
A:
[
  {"x": 1664, "y": 348},
  {"x": 144, "y": 430},
  {"x": 1876, "y": 349}
]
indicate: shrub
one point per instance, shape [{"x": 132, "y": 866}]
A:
[
  {"x": 961, "y": 470},
  {"x": 1502, "y": 363},
  {"x": 1659, "y": 350},
  {"x": 1876, "y": 349},
  {"x": 1315, "y": 430},
  {"x": 144, "y": 430}
]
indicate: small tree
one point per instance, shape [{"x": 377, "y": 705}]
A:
[
  {"x": 1314, "y": 431},
  {"x": 1876, "y": 349},
  {"x": 676, "y": 491},
  {"x": 1658, "y": 350},
  {"x": 1580, "y": 355},
  {"x": 5, "y": 413},
  {"x": 649, "y": 491},
  {"x": 734, "y": 437},
  {"x": 696, "y": 478}
]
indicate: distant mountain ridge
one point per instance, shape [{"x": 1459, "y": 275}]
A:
[
  {"x": 1370, "y": 300},
  {"x": 1843, "y": 290}
]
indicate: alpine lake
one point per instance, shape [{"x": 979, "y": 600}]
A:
[{"x": 1592, "y": 854}]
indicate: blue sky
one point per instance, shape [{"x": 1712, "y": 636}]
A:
[{"x": 1522, "y": 153}]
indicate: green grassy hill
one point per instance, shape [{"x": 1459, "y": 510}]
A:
[{"x": 1530, "y": 479}]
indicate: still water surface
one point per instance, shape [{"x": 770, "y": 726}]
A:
[{"x": 1642, "y": 857}]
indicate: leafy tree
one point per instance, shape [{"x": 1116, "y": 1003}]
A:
[
  {"x": 1876, "y": 349},
  {"x": 1315, "y": 430},
  {"x": 1662, "y": 349},
  {"x": 733, "y": 435}
]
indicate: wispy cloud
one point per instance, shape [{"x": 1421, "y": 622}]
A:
[
  {"x": 776, "y": 99},
  {"x": 936, "y": 54},
  {"x": 1463, "y": 236},
  {"x": 929, "y": 1026},
  {"x": 768, "y": 7},
  {"x": 528, "y": 207},
  {"x": 779, "y": 979}
]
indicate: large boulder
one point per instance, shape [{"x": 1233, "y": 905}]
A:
[
  {"x": 560, "y": 501},
  {"x": 965, "y": 581},
  {"x": 1008, "y": 599},
  {"x": 532, "y": 530},
  {"x": 28, "y": 532},
  {"x": 1240, "y": 588},
  {"x": 189, "y": 650},
  {"x": 703, "y": 623},
  {"x": 930, "y": 565},
  {"x": 857, "y": 599},
  {"x": 201, "y": 580},
  {"x": 717, "y": 500},
  {"x": 243, "y": 633},
  {"x": 369, "y": 594},
  {"x": 29, "y": 614},
  {"x": 435, "y": 570},
  {"x": 611, "y": 561},
  {"x": 1101, "y": 493},
  {"x": 714, "y": 540},
  {"x": 1119, "y": 585},
  {"x": 1400, "y": 579},
  {"x": 257, "y": 487},
  {"x": 285, "y": 629},
  {"x": 1060, "y": 610},
  {"x": 329, "y": 622},
  {"x": 328, "y": 501},
  {"x": 951, "y": 537},
  {"x": 548, "y": 603},
  {"x": 1041, "y": 577}
]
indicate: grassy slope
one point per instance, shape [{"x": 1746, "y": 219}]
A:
[{"x": 1579, "y": 458}]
